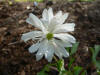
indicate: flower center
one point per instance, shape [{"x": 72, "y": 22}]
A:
[{"x": 49, "y": 36}]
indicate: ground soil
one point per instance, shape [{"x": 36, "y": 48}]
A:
[{"x": 14, "y": 56}]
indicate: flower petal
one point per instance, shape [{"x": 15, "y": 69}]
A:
[
  {"x": 63, "y": 43},
  {"x": 64, "y": 28},
  {"x": 34, "y": 20},
  {"x": 61, "y": 49},
  {"x": 31, "y": 35},
  {"x": 59, "y": 14},
  {"x": 43, "y": 47},
  {"x": 45, "y": 14},
  {"x": 56, "y": 51},
  {"x": 60, "y": 19},
  {"x": 34, "y": 47},
  {"x": 50, "y": 14},
  {"x": 65, "y": 37},
  {"x": 39, "y": 56},
  {"x": 63, "y": 18},
  {"x": 57, "y": 21},
  {"x": 45, "y": 23},
  {"x": 49, "y": 52}
]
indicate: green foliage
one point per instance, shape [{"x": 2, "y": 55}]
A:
[
  {"x": 70, "y": 62},
  {"x": 95, "y": 52},
  {"x": 74, "y": 48},
  {"x": 60, "y": 67},
  {"x": 44, "y": 70},
  {"x": 98, "y": 72},
  {"x": 42, "y": 73},
  {"x": 77, "y": 70}
]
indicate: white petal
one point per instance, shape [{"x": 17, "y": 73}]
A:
[
  {"x": 65, "y": 37},
  {"x": 49, "y": 52},
  {"x": 64, "y": 28},
  {"x": 63, "y": 43},
  {"x": 59, "y": 14},
  {"x": 31, "y": 35},
  {"x": 50, "y": 14},
  {"x": 34, "y": 20},
  {"x": 56, "y": 51},
  {"x": 61, "y": 49},
  {"x": 45, "y": 23},
  {"x": 43, "y": 47},
  {"x": 60, "y": 19},
  {"x": 45, "y": 14},
  {"x": 39, "y": 56},
  {"x": 63, "y": 18},
  {"x": 57, "y": 21},
  {"x": 34, "y": 48}
]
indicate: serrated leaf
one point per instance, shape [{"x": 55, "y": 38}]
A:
[{"x": 74, "y": 48}]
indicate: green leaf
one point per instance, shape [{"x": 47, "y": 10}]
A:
[
  {"x": 69, "y": 73},
  {"x": 70, "y": 62},
  {"x": 77, "y": 70},
  {"x": 74, "y": 48},
  {"x": 63, "y": 72},
  {"x": 84, "y": 72},
  {"x": 92, "y": 50},
  {"x": 60, "y": 65},
  {"x": 98, "y": 72},
  {"x": 44, "y": 70},
  {"x": 97, "y": 64},
  {"x": 96, "y": 51},
  {"x": 42, "y": 73},
  {"x": 68, "y": 49}
]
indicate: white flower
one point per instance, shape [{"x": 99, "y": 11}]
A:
[{"x": 52, "y": 38}]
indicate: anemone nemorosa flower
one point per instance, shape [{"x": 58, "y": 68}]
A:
[{"x": 53, "y": 35}]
